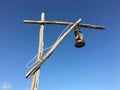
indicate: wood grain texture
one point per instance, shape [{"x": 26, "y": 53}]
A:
[{"x": 35, "y": 80}]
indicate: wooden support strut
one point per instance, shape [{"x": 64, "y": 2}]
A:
[
  {"x": 64, "y": 23},
  {"x": 35, "y": 68}
]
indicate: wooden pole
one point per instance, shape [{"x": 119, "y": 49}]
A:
[
  {"x": 64, "y": 23},
  {"x": 35, "y": 80},
  {"x": 34, "y": 69}
]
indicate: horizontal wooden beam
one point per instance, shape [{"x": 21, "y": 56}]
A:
[{"x": 64, "y": 23}]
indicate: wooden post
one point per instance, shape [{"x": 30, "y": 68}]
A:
[
  {"x": 35, "y": 80},
  {"x": 41, "y": 59}
]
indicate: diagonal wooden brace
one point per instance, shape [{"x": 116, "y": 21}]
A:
[{"x": 39, "y": 63}]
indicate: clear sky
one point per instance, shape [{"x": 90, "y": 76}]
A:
[{"x": 94, "y": 67}]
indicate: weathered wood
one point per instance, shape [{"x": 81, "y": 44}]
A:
[
  {"x": 35, "y": 80},
  {"x": 34, "y": 69},
  {"x": 64, "y": 23}
]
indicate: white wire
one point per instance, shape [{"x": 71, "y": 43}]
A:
[
  {"x": 30, "y": 61},
  {"x": 58, "y": 36},
  {"x": 63, "y": 32}
]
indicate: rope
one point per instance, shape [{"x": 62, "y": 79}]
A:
[
  {"x": 30, "y": 64},
  {"x": 58, "y": 36}
]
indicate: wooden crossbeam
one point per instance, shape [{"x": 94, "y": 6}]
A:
[{"x": 64, "y": 23}]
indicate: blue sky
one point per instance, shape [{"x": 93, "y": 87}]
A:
[{"x": 94, "y": 67}]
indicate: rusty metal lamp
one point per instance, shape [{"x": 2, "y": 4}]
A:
[{"x": 78, "y": 38}]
